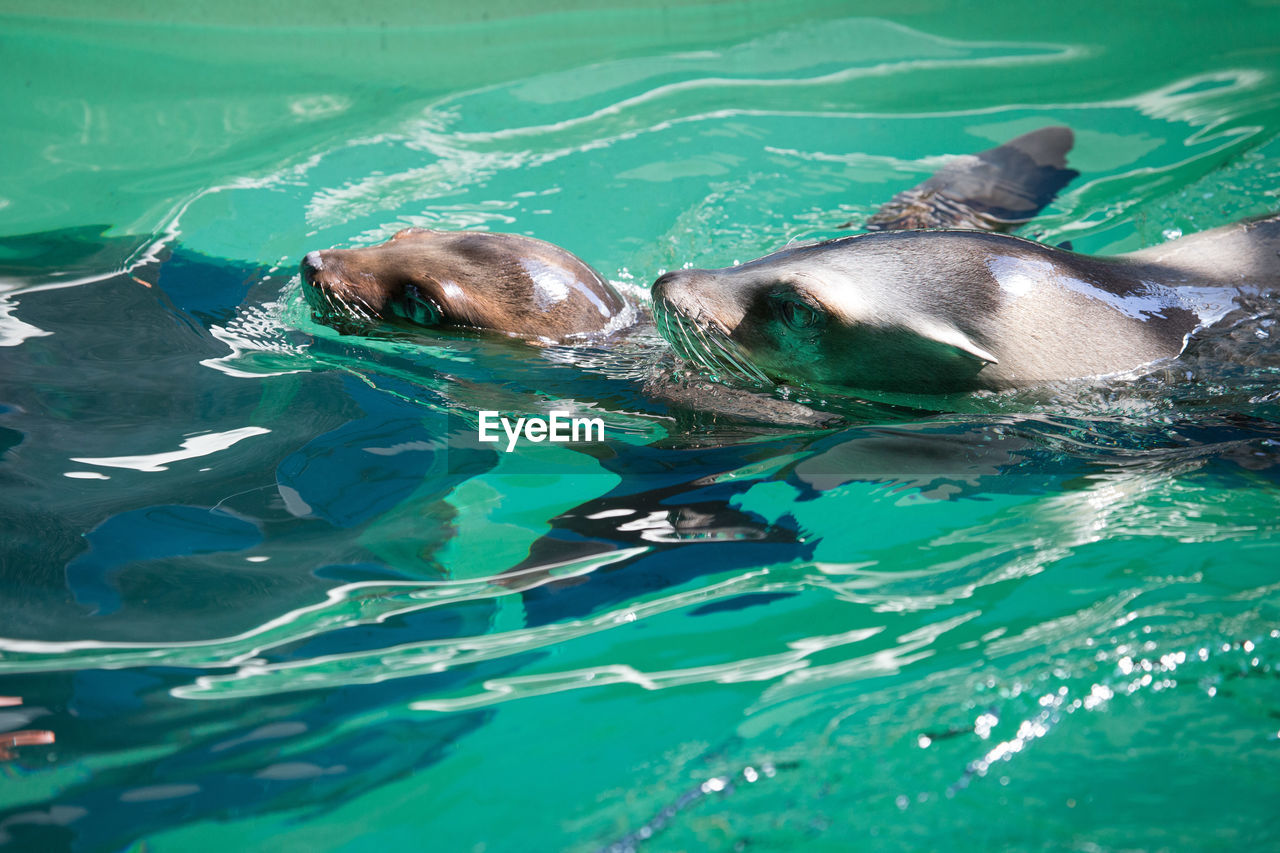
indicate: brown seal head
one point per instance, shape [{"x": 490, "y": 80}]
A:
[{"x": 471, "y": 279}]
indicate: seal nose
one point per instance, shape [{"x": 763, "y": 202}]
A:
[
  {"x": 311, "y": 264},
  {"x": 679, "y": 289},
  {"x": 663, "y": 287}
]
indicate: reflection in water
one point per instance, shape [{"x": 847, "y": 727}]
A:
[
  {"x": 10, "y": 740},
  {"x": 728, "y": 524},
  {"x": 299, "y": 597}
]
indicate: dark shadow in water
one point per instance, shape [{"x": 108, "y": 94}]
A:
[
  {"x": 741, "y": 602},
  {"x": 163, "y": 553},
  {"x": 675, "y": 504},
  {"x": 1031, "y": 455},
  {"x": 118, "y": 374},
  {"x": 234, "y": 758},
  {"x": 148, "y": 534},
  {"x": 67, "y": 253},
  {"x": 159, "y": 549},
  {"x": 670, "y": 503}
]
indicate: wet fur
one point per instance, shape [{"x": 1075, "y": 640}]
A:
[
  {"x": 503, "y": 282},
  {"x": 927, "y": 311}
]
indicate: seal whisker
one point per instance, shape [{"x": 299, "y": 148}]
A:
[
  {"x": 355, "y": 305},
  {"x": 698, "y": 351},
  {"x": 715, "y": 350},
  {"x": 739, "y": 364},
  {"x": 705, "y": 345}
]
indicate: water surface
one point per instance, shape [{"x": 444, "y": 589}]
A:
[{"x": 265, "y": 588}]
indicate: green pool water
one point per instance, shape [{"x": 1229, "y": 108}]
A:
[{"x": 266, "y": 591}]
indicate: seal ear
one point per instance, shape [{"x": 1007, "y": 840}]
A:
[{"x": 956, "y": 341}]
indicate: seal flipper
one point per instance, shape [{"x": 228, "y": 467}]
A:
[
  {"x": 953, "y": 341},
  {"x": 924, "y": 354},
  {"x": 993, "y": 190}
]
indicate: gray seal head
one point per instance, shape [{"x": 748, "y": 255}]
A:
[
  {"x": 947, "y": 311},
  {"x": 465, "y": 279}
]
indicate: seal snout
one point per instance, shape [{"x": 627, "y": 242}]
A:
[
  {"x": 325, "y": 278},
  {"x": 670, "y": 293},
  {"x": 673, "y": 292},
  {"x": 704, "y": 297},
  {"x": 327, "y": 288},
  {"x": 310, "y": 268},
  {"x": 312, "y": 263},
  {"x": 666, "y": 285}
]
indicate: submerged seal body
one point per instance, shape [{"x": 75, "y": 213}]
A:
[
  {"x": 944, "y": 311},
  {"x": 471, "y": 279}
]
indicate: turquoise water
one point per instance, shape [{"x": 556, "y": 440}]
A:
[{"x": 265, "y": 590}]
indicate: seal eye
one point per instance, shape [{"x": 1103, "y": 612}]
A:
[
  {"x": 798, "y": 315},
  {"x": 417, "y": 308}
]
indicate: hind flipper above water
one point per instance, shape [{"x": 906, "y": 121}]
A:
[{"x": 993, "y": 190}]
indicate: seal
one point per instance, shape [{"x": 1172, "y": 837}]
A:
[
  {"x": 948, "y": 311},
  {"x": 530, "y": 289},
  {"x": 507, "y": 283}
]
